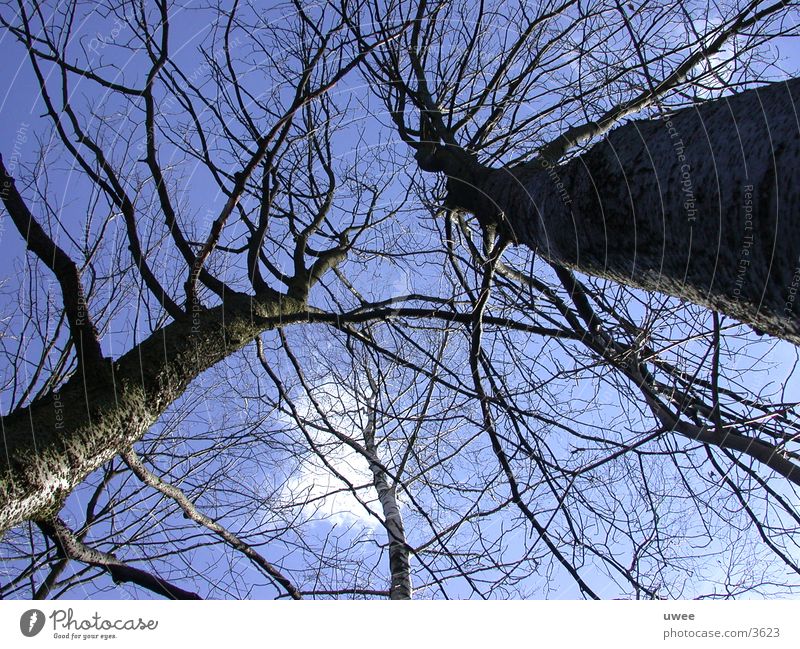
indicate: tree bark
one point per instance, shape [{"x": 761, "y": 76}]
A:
[
  {"x": 701, "y": 204},
  {"x": 51, "y": 445},
  {"x": 399, "y": 556}
]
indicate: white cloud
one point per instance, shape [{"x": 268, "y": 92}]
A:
[{"x": 326, "y": 496}]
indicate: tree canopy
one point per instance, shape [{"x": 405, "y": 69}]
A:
[{"x": 407, "y": 298}]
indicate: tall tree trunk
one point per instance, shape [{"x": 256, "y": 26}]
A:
[
  {"x": 702, "y": 204},
  {"x": 399, "y": 557},
  {"x": 51, "y": 445}
]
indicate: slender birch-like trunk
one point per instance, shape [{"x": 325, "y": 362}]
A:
[{"x": 399, "y": 566}]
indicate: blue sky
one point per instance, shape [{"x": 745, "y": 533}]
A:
[{"x": 209, "y": 403}]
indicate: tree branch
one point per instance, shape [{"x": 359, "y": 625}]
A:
[
  {"x": 73, "y": 548},
  {"x": 136, "y": 465}
]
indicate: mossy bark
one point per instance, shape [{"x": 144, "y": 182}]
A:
[{"x": 54, "y": 443}]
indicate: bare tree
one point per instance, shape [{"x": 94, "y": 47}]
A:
[
  {"x": 281, "y": 362},
  {"x": 642, "y": 206}
]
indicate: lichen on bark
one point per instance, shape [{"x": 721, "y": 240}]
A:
[{"x": 49, "y": 450}]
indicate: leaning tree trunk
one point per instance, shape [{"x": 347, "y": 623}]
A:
[
  {"x": 702, "y": 204},
  {"x": 51, "y": 445}
]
